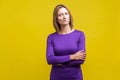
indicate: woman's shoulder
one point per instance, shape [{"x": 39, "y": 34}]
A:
[
  {"x": 51, "y": 35},
  {"x": 79, "y": 31}
]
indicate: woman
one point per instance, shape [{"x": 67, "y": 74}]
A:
[{"x": 65, "y": 47}]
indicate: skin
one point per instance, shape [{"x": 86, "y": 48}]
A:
[{"x": 63, "y": 19}]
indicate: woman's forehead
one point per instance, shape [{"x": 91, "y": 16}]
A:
[{"x": 62, "y": 10}]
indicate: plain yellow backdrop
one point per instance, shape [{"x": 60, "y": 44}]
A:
[{"x": 25, "y": 25}]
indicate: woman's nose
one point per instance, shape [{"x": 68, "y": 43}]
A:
[{"x": 64, "y": 16}]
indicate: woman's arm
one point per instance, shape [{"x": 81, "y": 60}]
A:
[
  {"x": 76, "y": 59},
  {"x": 51, "y": 58}
]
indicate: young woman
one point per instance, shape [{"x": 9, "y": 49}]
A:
[{"x": 65, "y": 47}]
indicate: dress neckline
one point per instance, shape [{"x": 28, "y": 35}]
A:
[{"x": 66, "y": 33}]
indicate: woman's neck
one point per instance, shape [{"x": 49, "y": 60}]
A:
[{"x": 65, "y": 29}]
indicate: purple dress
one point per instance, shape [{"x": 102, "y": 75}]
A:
[{"x": 59, "y": 49}]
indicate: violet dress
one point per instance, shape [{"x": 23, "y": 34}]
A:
[{"x": 59, "y": 49}]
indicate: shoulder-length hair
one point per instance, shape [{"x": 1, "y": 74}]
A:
[{"x": 55, "y": 14}]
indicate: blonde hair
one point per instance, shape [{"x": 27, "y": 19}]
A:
[{"x": 55, "y": 14}]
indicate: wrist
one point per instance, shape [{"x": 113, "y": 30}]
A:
[{"x": 72, "y": 57}]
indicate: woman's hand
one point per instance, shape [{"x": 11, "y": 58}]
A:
[{"x": 80, "y": 55}]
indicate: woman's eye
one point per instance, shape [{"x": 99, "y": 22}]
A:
[
  {"x": 66, "y": 13},
  {"x": 59, "y": 15}
]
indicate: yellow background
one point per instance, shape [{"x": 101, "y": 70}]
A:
[{"x": 25, "y": 25}]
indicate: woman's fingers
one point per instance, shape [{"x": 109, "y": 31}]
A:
[
  {"x": 80, "y": 55},
  {"x": 83, "y": 56},
  {"x": 81, "y": 51}
]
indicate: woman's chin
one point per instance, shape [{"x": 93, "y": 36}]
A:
[{"x": 64, "y": 24}]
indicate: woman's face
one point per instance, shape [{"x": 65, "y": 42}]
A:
[{"x": 63, "y": 17}]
